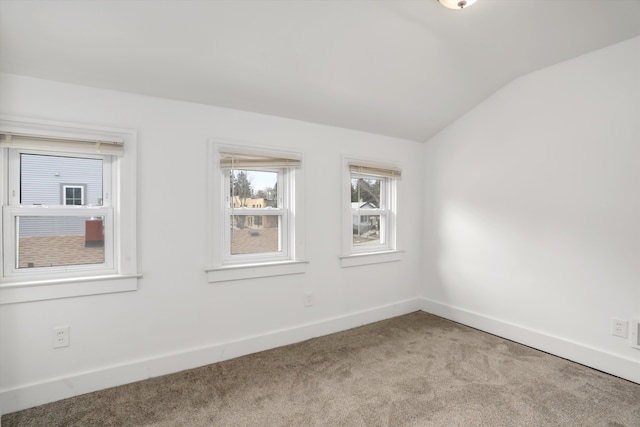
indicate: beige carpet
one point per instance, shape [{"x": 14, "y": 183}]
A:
[{"x": 413, "y": 370}]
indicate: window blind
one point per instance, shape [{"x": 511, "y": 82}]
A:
[
  {"x": 255, "y": 161},
  {"x": 375, "y": 170},
  {"x": 65, "y": 145}
]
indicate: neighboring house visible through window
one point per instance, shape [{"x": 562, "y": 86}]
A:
[
  {"x": 256, "y": 224},
  {"x": 371, "y": 225},
  {"x": 64, "y": 211}
]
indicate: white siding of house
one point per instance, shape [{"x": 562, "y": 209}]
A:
[
  {"x": 42, "y": 181},
  {"x": 52, "y": 226}
]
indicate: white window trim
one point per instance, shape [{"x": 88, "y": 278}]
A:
[
  {"x": 357, "y": 256},
  {"x": 219, "y": 268},
  {"x": 355, "y": 260},
  {"x": 122, "y": 275}
]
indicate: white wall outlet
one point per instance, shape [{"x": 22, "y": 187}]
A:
[
  {"x": 308, "y": 299},
  {"x": 619, "y": 328},
  {"x": 61, "y": 337}
]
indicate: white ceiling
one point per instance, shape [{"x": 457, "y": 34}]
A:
[{"x": 398, "y": 68}]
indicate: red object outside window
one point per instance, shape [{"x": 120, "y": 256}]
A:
[{"x": 93, "y": 233}]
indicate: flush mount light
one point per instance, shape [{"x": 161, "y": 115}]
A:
[{"x": 457, "y": 4}]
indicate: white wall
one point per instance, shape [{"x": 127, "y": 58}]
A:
[
  {"x": 532, "y": 210},
  {"x": 530, "y": 230},
  {"x": 177, "y": 320}
]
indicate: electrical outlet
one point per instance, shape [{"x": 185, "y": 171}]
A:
[
  {"x": 61, "y": 337},
  {"x": 619, "y": 328},
  {"x": 308, "y": 299}
]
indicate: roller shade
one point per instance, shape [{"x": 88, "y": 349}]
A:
[
  {"x": 64, "y": 145},
  {"x": 253, "y": 161},
  {"x": 368, "y": 169}
]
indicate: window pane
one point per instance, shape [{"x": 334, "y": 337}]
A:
[
  {"x": 254, "y": 189},
  {"x": 365, "y": 193},
  {"x": 73, "y": 196},
  {"x": 50, "y": 241},
  {"x": 366, "y": 230},
  {"x": 251, "y": 234},
  {"x": 59, "y": 180}
]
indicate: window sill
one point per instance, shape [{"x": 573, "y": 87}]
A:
[
  {"x": 12, "y": 293},
  {"x": 252, "y": 271},
  {"x": 355, "y": 260}
]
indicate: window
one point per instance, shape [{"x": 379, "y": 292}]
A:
[
  {"x": 256, "y": 213},
  {"x": 257, "y": 227},
  {"x": 370, "y": 228},
  {"x": 370, "y": 212},
  {"x": 73, "y": 195},
  {"x": 64, "y": 211}
]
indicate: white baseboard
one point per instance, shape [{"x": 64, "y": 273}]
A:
[
  {"x": 30, "y": 395},
  {"x": 622, "y": 367}
]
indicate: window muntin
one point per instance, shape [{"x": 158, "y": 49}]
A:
[{"x": 256, "y": 216}]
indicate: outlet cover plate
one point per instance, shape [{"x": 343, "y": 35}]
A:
[
  {"x": 61, "y": 337},
  {"x": 619, "y": 328},
  {"x": 308, "y": 299}
]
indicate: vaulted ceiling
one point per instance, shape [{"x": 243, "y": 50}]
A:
[{"x": 403, "y": 68}]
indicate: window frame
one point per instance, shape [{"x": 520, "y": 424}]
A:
[
  {"x": 14, "y": 209},
  {"x": 119, "y": 271},
  {"x": 222, "y": 266},
  {"x": 386, "y": 251},
  {"x": 282, "y": 212}
]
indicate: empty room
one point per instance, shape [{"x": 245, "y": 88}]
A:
[{"x": 320, "y": 212}]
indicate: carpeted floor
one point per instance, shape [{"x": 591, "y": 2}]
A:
[{"x": 413, "y": 370}]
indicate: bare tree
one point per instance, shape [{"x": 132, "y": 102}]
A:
[{"x": 240, "y": 188}]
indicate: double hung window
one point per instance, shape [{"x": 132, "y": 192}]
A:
[
  {"x": 53, "y": 228},
  {"x": 256, "y": 224},
  {"x": 371, "y": 194},
  {"x": 63, "y": 212},
  {"x": 256, "y": 207}
]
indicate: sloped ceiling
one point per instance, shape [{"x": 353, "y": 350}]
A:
[{"x": 397, "y": 68}]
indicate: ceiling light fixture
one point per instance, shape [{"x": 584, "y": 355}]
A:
[{"x": 457, "y": 4}]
